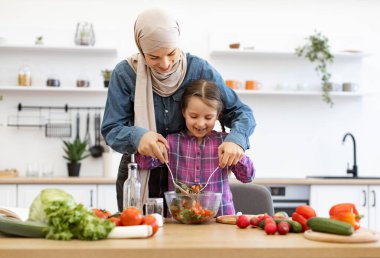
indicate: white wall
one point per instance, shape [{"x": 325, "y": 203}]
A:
[{"x": 295, "y": 136}]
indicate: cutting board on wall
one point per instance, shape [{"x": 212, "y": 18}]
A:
[{"x": 359, "y": 236}]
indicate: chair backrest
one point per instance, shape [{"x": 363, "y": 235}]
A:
[{"x": 251, "y": 198}]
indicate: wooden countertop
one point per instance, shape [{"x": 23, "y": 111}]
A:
[
  {"x": 177, "y": 240},
  {"x": 260, "y": 181}
]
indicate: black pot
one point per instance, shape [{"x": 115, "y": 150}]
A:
[
  {"x": 106, "y": 83},
  {"x": 73, "y": 169}
]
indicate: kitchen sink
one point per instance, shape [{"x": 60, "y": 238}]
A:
[{"x": 344, "y": 177}]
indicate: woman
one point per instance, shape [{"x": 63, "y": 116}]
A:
[{"x": 143, "y": 103}]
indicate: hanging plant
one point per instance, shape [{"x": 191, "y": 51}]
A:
[{"x": 317, "y": 50}]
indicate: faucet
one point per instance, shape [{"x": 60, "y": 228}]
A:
[{"x": 354, "y": 170}]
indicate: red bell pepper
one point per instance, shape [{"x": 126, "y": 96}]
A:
[{"x": 346, "y": 212}]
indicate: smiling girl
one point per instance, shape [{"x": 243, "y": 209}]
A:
[{"x": 194, "y": 153}]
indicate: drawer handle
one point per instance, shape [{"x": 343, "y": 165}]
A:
[
  {"x": 374, "y": 198},
  {"x": 91, "y": 194}
]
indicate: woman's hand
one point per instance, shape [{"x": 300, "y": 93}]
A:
[
  {"x": 229, "y": 154},
  {"x": 155, "y": 145}
]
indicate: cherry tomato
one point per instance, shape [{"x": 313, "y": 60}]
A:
[
  {"x": 152, "y": 221},
  {"x": 131, "y": 217},
  {"x": 270, "y": 228},
  {"x": 283, "y": 228},
  {"x": 242, "y": 221},
  {"x": 101, "y": 213}
]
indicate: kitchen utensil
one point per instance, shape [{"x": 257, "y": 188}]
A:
[
  {"x": 87, "y": 136},
  {"x": 360, "y": 236},
  {"x": 208, "y": 180},
  {"x": 174, "y": 183},
  {"x": 77, "y": 124},
  {"x": 97, "y": 150},
  {"x": 193, "y": 209}
]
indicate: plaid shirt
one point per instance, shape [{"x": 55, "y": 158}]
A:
[{"x": 192, "y": 163}]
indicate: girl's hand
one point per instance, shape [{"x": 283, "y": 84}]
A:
[
  {"x": 229, "y": 154},
  {"x": 154, "y": 145}
]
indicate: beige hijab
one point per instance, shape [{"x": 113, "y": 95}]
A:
[{"x": 154, "y": 29}]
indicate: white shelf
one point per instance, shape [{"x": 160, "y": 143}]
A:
[
  {"x": 52, "y": 89},
  {"x": 295, "y": 93},
  {"x": 252, "y": 53},
  {"x": 60, "y": 49}
]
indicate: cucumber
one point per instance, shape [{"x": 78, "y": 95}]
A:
[
  {"x": 331, "y": 226},
  {"x": 16, "y": 227},
  {"x": 295, "y": 226}
]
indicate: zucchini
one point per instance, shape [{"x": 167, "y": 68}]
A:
[
  {"x": 331, "y": 226},
  {"x": 16, "y": 227},
  {"x": 295, "y": 226}
]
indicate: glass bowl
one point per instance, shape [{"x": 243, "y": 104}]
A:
[{"x": 193, "y": 208}]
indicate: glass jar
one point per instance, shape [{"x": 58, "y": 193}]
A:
[
  {"x": 24, "y": 76},
  {"x": 84, "y": 35}
]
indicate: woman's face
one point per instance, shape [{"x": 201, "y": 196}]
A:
[
  {"x": 200, "y": 118},
  {"x": 162, "y": 60}
]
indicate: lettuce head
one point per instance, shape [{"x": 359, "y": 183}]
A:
[{"x": 37, "y": 211}]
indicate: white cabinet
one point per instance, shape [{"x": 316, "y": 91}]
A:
[
  {"x": 374, "y": 207},
  {"x": 365, "y": 197},
  {"x": 107, "y": 197},
  {"x": 8, "y": 195},
  {"x": 84, "y": 193}
]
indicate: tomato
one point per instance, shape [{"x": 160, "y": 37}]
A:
[
  {"x": 270, "y": 228},
  {"x": 306, "y": 211},
  {"x": 242, "y": 221},
  {"x": 131, "y": 217},
  {"x": 254, "y": 221},
  {"x": 283, "y": 228},
  {"x": 101, "y": 213},
  {"x": 152, "y": 221}
]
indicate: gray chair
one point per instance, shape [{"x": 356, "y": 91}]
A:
[{"x": 252, "y": 199}]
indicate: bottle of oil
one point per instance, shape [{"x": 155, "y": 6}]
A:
[{"x": 132, "y": 187}]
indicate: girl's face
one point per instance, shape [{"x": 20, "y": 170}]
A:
[
  {"x": 162, "y": 60},
  {"x": 200, "y": 118}
]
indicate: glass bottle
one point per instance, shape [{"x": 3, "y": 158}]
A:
[
  {"x": 24, "y": 76},
  {"x": 132, "y": 187}
]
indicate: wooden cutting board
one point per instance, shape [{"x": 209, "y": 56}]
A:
[
  {"x": 359, "y": 236},
  {"x": 231, "y": 219}
]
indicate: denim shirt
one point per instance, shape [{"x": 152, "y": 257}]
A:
[{"x": 118, "y": 127}]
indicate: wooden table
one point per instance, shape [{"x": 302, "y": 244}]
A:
[{"x": 176, "y": 240}]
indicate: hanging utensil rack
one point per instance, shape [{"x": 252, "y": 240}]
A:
[{"x": 39, "y": 120}]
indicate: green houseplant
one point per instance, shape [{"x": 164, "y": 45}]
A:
[
  {"x": 75, "y": 151},
  {"x": 317, "y": 50},
  {"x": 106, "y": 77}
]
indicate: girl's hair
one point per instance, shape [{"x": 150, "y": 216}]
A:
[{"x": 208, "y": 92}]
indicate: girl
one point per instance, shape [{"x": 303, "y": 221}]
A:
[{"x": 194, "y": 153}]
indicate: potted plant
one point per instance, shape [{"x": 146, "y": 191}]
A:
[
  {"x": 75, "y": 151},
  {"x": 106, "y": 77},
  {"x": 317, "y": 50}
]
